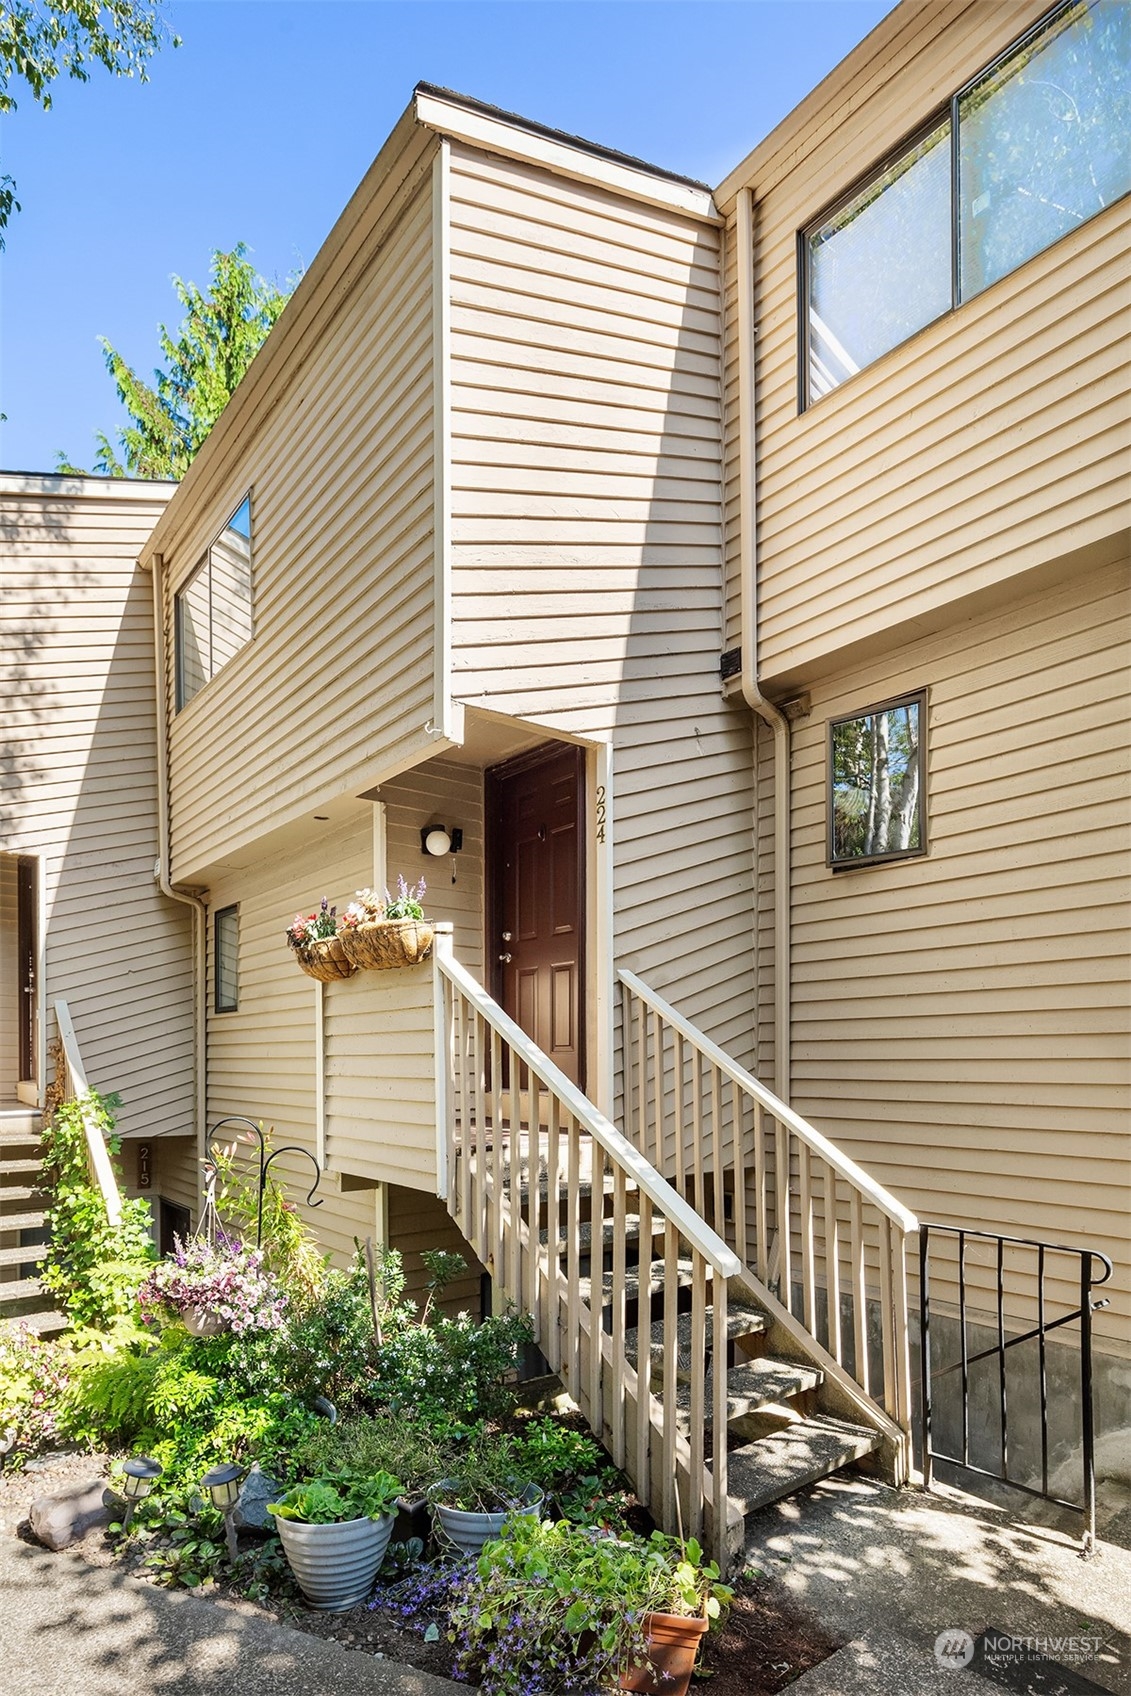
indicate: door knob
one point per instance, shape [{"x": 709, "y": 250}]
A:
[
  {"x": 504, "y": 959},
  {"x": 506, "y": 936}
]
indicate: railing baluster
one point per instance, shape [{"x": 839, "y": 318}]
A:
[
  {"x": 859, "y": 1292},
  {"x": 534, "y": 1209},
  {"x": 642, "y": 1080},
  {"x": 552, "y": 1344},
  {"x": 495, "y": 1209},
  {"x": 901, "y": 1341},
  {"x": 597, "y": 1285},
  {"x": 785, "y": 1218},
  {"x": 698, "y": 1376},
  {"x": 658, "y": 1091},
  {"x": 719, "y": 1351},
  {"x": 514, "y": 1167},
  {"x": 805, "y": 1204},
  {"x": 832, "y": 1263},
  {"x": 719, "y": 1221},
  {"x": 644, "y": 1330},
  {"x": 740, "y": 1169},
  {"x": 697, "y": 1128},
  {"x": 469, "y": 1112},
  {"x": 887, "y": 1327},
  {"x": 669, "y": 1388},
  {"x": 1042, "y": 1366},
  {"x": 678, "y": 1064},
  {"x": 572, "y": 1355},
  {"x": 761, "y": 1228},
  {"x": 620, "y": 1231}
]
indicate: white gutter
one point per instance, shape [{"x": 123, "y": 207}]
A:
[
  {"x": 778, "y": 723},
  {"x": 161, "y": 870}
]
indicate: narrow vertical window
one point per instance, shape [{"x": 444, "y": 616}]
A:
[
  {"x": 227, "y": 940},
  {"x": 876, "y": 783},
  {"x": 214, "y": 608}
]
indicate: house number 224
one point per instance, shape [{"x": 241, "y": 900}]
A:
[{"x": 600, "y": 812}]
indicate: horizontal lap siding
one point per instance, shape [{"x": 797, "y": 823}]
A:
[
  {"x": 960, "y": 1021},
  {"x": 587, "y": 542},
  {"x": 995, "y": 440},
  {"x": 78, "y": 784},
  {"x": 337, "y": 681}
]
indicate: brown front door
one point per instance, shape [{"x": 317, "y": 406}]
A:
[
  {"x": 535, "y": 924},
  {"x": 27, "y": 932}
]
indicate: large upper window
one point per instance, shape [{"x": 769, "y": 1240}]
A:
[
  {"x": 213, "y": 610},
  {"x": 1030, "y": 149}
]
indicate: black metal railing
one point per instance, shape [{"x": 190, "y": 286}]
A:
[{"x": 1086, "y": 1282}]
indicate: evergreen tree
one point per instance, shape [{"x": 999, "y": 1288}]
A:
[{"x": 219, "y": 337}]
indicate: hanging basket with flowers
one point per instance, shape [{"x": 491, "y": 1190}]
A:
[
  {"x": 317, "y": 943},
  {"x": 377, "y": 933}
]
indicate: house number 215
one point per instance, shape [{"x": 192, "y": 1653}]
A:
[{"x": 600, "y": 812}]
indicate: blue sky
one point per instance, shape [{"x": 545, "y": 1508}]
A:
[{"x": 259, "y": 127}]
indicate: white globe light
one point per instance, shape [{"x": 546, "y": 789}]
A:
[{"x": 438, "y": 841}]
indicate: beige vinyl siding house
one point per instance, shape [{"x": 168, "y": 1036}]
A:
[
  {"x": 955, "y": 518},
  {"x": 534, "y": 559},
  {"x": 78, "y": 800}
]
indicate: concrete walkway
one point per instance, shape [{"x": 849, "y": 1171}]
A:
[
  {"x": 893, "y": 1570},
  {"x": 71, "y": 1629}
]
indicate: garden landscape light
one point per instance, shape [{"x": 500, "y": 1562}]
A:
[
  {"x": 223, "y": 1485},
  {"x": 142, "y": 1474}
]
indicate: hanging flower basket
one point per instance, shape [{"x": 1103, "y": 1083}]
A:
[
  {"x": 325, "y": 959},
  {"x": 378, "y": 946}
]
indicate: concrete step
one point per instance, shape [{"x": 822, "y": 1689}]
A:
[
  {"x": 14, "y": 1136},
  {"x": 20, "y": 1289},
  {"x": 45, "y": 1321},
  {"x": 14, "y": 1168},
  {"x": 608, "y": 1231},
  {"x": 16, "y": 1192},
  {"x": 21, "y": 1256},
  {"x": 756, "y": 1384},
  {"x": 635, "y": 1276},
  {"x": 786, "y": 1461},
  {"x": 742, "y": 1321},
  {"x": 22, "y": 1221}
]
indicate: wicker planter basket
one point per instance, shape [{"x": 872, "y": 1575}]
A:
[
  {"x": 325, "y": 960},
  {"x": 386, "y": 943}
]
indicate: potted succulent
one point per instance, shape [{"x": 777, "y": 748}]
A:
[
  {"x": 380, "y": 932},
  {"x": 335, "y": 1531},
  {"x": 472, "y": 1508},
  {"x": 213, "y": 1286},
  {"x": 317, "y": 944}
]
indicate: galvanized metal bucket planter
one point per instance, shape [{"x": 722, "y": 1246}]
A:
[
  {"x": 469, "y": 1531},
  {"x": 335, "y": 1565}
]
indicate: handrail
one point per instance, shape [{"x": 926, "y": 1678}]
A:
[
  {"x": 820, "y": 1145},
  {"x": 101, "y": 1168},
  {"x": 694, "y": 1229}
]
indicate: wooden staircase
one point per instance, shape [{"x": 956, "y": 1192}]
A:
[
  {"x": 23, "y": 1224},
  {"x": 649, "y": 1273}
]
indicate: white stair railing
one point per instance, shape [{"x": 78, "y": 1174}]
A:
[
  {"x": 541, "y": 1183},
  {"x": 75, "y": 1088},
  {"x": 802, "y": 1216}
]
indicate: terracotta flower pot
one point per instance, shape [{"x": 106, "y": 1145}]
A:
[{"x": 672, "y": 1642}]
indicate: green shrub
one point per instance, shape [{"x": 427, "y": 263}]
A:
[
  {"x": 94, "y": 1268},
  {"x": 34, "y": 1378},
  {"x": 383, "y": 1441}
]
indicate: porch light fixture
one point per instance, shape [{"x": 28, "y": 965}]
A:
[
  {"x": 438, "y": 840},
  {"x": 223, "y": 1485},
  {"x": 142, "y": 1474}
]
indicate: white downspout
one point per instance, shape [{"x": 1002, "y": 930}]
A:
[
  {"x": 779, "y": 724},
  {"x": 199, "y": 907}
]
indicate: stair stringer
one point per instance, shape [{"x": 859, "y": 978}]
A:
[{"x": 787, "y": 1338}]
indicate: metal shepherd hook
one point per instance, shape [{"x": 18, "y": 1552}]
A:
[{"x": 265, "y": 1160}]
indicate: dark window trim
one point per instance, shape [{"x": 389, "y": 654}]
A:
[
  {"x": 205, "y": 564},
  {"x": 233, "y": 1005},
  {"x": 949, "y": 108},
  {"x": 859, "y": 861}
]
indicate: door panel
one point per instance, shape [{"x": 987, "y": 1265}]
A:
[
  {"x": 28, "y": 968},
  {"x": 535, "y": 807}
]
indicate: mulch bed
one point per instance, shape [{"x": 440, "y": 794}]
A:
[{"x": 767, "y": 1642}]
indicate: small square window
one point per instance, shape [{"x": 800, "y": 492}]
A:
[
  {"x": 876, "y": 790},
  {"x": 227, "y": 959}
]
